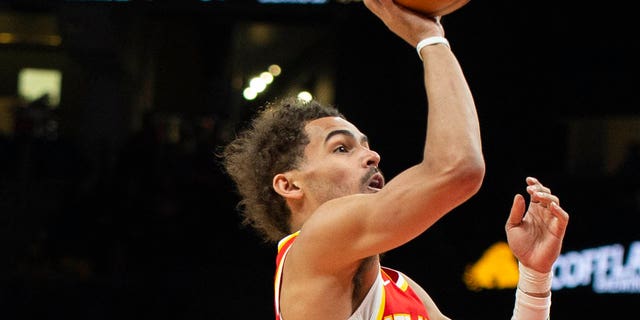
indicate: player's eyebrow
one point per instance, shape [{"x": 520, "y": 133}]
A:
[{"x": 345, "y": 132}]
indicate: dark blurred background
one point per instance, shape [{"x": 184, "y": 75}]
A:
[{"x": 113, "y": 204}]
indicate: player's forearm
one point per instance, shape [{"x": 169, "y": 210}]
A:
[{"x": 453, "y": 133}]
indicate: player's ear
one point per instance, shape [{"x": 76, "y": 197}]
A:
[{"x": 284, "y": 185}]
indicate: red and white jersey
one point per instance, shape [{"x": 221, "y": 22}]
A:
[{"x": 390, "y": 297}]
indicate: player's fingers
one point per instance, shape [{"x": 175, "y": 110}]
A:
[
  {"x": 544, "y": 199},
  {"x": 561, "y": 215},
  {"x": 517, "y": 212},
  {"x": 536, "y": 185}
]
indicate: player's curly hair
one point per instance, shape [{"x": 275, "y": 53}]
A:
[{"x": 273, "y": 143}]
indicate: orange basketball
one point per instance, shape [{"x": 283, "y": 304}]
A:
[{"x": 433, "y": 7}]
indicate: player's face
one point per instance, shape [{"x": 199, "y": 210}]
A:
[{"x": 338, "y": 161}]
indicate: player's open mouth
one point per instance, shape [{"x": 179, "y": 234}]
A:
[{"x": 376, "y": 182}]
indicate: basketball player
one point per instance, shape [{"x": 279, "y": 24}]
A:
[{"x": 310, "y": 182}]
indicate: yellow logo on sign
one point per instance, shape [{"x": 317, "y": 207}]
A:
[{"x": 496, "y": 269}]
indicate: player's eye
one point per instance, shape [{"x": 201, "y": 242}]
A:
[{"x": 341, "y": 148}]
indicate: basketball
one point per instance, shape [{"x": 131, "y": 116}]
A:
[{"x": 433, "y": 8}]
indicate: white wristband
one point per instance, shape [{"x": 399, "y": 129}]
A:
[
  {"x": 532, "y": 281},
  {"x": 531, "y": 308},
  {"x": 429, "y": 41}
]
